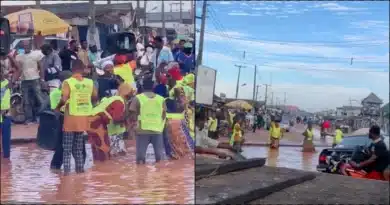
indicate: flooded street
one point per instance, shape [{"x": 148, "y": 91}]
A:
[
  {"x": 28, "y": 178},
  {"x": 290, "y": 157}
]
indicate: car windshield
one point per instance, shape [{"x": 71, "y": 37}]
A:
[{"x": 353, "y": 141}]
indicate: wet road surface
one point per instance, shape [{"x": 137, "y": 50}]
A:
[
  {"x": 290, "y": 157},
  {"x": 26, "y": 177}
]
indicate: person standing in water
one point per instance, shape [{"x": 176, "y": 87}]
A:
[
  {"x": 338, "y": 136},
  {"x": 275, "y": 134},
  {"x": 78, "y": 93},
  {"x": 308, "y": 145}
]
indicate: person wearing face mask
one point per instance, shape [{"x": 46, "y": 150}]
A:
[{"x": 186, "y": 59}]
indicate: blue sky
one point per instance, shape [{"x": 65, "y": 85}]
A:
[{"x": 303, "y": 49}]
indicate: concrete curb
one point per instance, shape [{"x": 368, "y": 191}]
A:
[
  {"x": 204, "y": 171},
  {"x": 248, "y": 185}
]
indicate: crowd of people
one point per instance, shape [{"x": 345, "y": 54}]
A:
[{"x": 148, "y": 94}]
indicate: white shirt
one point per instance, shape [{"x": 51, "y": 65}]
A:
[
  {"x": 29, "y": 64},
  {"x": 202, "y": 139}
]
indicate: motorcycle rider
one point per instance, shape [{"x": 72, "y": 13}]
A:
[{"x": 377, "y": 164}]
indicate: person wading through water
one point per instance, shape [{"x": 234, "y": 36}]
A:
[
  {"x": 150, "y": 111},
  {"x": 78, "y": 93},
  {"x": 308, "y": 145}
]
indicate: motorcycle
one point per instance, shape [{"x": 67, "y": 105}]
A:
[{"x": 360, "y": 154}]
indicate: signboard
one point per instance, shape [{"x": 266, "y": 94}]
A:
[{"x": 205, "y": 85}]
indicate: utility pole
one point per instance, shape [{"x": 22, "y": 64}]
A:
[
  {"x": 137, "y": 12},
  {"x": 163, "y": 18},
  {"x": 38, "y": 4},
  {"x": 238, "y": 78},
  {"x": 181, "y": 12},
  {"x": 145, "y": 31},
  {"x": 272, "y": 98},
  {"x": 201, "y": 37},
  {"x": 266, "y": 96},
  {"x": 257, "y": 92},
  {"x": 284, "y": 99},
  {"x": 92, "y": 23},
  {"x": 254, "y": 84}
]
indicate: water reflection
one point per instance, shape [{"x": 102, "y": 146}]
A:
[
  {"x": 27, "y": 177},
  {"x": 290, "y": 157}
]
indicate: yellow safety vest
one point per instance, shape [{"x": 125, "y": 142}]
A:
[
  {"x": 275, "y": 132},
  {"x": 5, "y": 94},
  {"x": 213, "y": 123},
  {"x": 338, "y": 137},
  {"x": 231, "y": 142},
  {"x": 125, "y": 72},
  {"x": 151, "y": 110},
  {"x": 309, "y": 134},
  {"x": 179, "y": 84},
  {"x": 80, "y": 96},
  {"x": 189, "y": 92},
  {"x": 112, "y": 128}
]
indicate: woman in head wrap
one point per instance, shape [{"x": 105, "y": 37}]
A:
[
  {"x": 108, "y": 125},
  {"x": 107, "y": 82},
  {"x": 177, "y": 139}
]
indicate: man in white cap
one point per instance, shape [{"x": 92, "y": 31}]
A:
[{"x": 107, "y": 82}]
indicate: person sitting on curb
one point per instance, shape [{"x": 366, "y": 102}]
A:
[{"x": 206, "y": 145}]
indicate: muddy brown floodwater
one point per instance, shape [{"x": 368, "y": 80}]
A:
[
  {"x": 26, "y": 177},
  {"x": 290, "y": 157}
]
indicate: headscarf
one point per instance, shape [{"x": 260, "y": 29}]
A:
[
  {"x": 125, "y": 89},
  {"x": 120, "y": 59},
  {"x": 189, "y": 79},
  {"x": 175, "y": 73}
]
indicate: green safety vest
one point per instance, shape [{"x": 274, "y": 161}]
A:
[
  {"x": 213, "y": 124},
  {"x": 112, "y": 128},
  {"x": 55, "y": 97},
  {"x": 189, "y": 92},
  {"x": 338, "y": 137},
  {"x": 275, "y": 132},
  {"x": 5, "y": 94},
  {"x": 80, "y": 103},
  {"x": 151, "y": 110},
  {"x": 309, "y": 134},
  {"x": 125, "y": 72}
]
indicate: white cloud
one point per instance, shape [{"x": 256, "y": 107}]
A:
[
  {"x": 265, "y": 8},
  {"x": 310, "y": 97},
  {"x": 224, "y": 2},
  {"x": 239, "y": 14},
  {"x": 313, "y": 97},
  {"x": 371, "y": 24},
  {"x": 332, "y": 6}
]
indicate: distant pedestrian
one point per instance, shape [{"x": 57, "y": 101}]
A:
[{"x": 308, "y": 145}]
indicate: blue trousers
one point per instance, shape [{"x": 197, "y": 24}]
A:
[
  {"x": 142, "y": 142},
  {"x": 6, "y": 136}
]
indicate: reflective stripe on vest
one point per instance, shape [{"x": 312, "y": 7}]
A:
[
  {"x": 276, "y": 132},
  {"x": 151, "y": 110},
  {"x": 213, "y": 124},
  {"x": 80, "y": 96},
  {"x": 338, "y": 137},
  {"x": 5, "y": 97},
  {"x": 309, "y": 134},
  {"x": 112, "y": 128},
  {"x": 125, "y": 72}
]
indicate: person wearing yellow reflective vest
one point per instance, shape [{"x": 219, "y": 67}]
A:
[
  {"x": 149, "y": 110},
  {"x": 212, "y": 125},
  {"x": 338, "y": 136},
  {"x": 275, "y": 134},
  {"x": 108, "y": 125},
  {"x": 178, "y": 140},
  {"x": 124, "y": 69},
  {"x": 78, "y": 93},
  {"x": 189, "y": 87},
  {"x": 55, "y": 98},
  {"x": 5, "y": 122},
  {"x": 308, "y": 145},
  {"x": 236, "y": 139}
]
